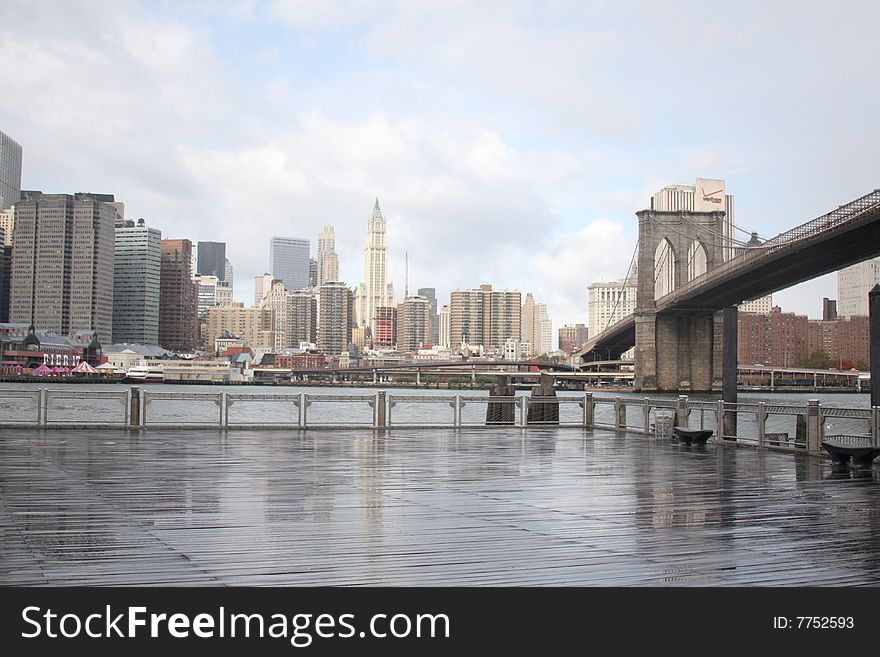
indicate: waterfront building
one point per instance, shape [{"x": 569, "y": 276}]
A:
[
  {"x": 62, "y": 263},
  {"x": 253, "y": 325},
  {"x": 375, "y": 292},
  {"x": 28, "y": 347},
  {"x": 137, "y": 273},
  {"x": 289, "y": 261},
  {"x": 609, "y": 302},
  {"x": 443, "y": 322},
  {"x": 300, "y": 360},
  {"x": 853, "y": 285},
  {"x": 572, "y": 337},
  {"x": 178, "y": 297},
  {"x": 334, "y": 318},
  {"x": 212, "y": 260},
  {"x": 10, "y": 171},
  {"x": 786, "y": 340},
  {"x": 485, "y": 317},
  {"x": 413, "y": 324},
  {"x": 430, "y": 294}
]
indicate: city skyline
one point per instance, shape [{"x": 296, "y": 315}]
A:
[{"x": 534, "y": 187}]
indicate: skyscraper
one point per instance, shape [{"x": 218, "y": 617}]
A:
[
  {"x": 136, "y": 281},
  {"x": 537, "y": 330},
  {"x": 328, "y": 261},
  {"x": 178, "y": 297},
  {"x": 212, "y": 259},
  {"x": 430, "y": 294},
  {"x": 375, "y": 291},
  {"x": 334, "y": 318},
  {"x": 5, "y": 272},
  {"x": 289, "y": 261},
  {"x": 262, "y": 285},
  {"x": 413, "y": 323},
  {"x": 444, "y": 327},
  {"x": 10, "y": 171},
  {"x": 62, "y": 264},
  {"x": 485, "y": 317}
]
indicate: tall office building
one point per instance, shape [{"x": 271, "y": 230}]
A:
[
  {"x": 413, "y": 324},
  {"x": 227, "y": 272},
  {"x": 7, "y": 224},
  {"x": 761, "y": 305},
  {"x": 704, "y": 196},
  {"x": 430, "y": 294},
  {"x": 313, "y": 273},
  {"x": 262, "y": 285},
  {"x": 375, "y": 291},
  {"x": 289, "y": 261},
  {"x": 334, "y": 318},
  {"x": 328, "y": 261},
  {"x": 485, "y": 317},
  {"x": 178, "y": 297},
  {"x": 853, "y": 285},
  {"x": 212, "y": 259},
  {"x": 829, "y": 309},
  {"x": 444, "y": 327},
  {"x": 609, "y": 302},
  {"x": 136, "y": 280},
  {"x": 10, "y": 171},
  {"x": 537, "y": 329},
  {"x": 5, "y": 273},
  {"x": 62, "y": 264}
]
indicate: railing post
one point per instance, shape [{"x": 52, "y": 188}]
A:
[
  {"x": 619, "y": 414},
  {"x": 456, "y": 411},
  {"x": 762, "y": 423},
  {"x": 647, "y": 412},
  {"x": 814, "y": 427},
  {"x": 303, "y": 410},
  {"x": 224, "y": 411},
  {"x": 43, "y": 415},
  {"x": 681, "y": 411},
  {"x": 589, "y": 410},
  {"x": 524, "y": 418},
  {"x": 380, "y": 409},
  {"x": 134, "y": 412},
  {"x": 875, "y": 426},
  {"x": 719, "y": 420}
]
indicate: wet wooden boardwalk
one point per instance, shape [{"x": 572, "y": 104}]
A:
[{"x": 428, "y": 507}]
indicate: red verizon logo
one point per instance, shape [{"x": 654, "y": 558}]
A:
[{"x": 710, "y": 197}]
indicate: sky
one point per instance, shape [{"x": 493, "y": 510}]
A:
[{"x": 508, "y": 143}]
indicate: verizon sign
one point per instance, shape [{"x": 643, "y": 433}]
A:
[{"x": 709, "y": 196}]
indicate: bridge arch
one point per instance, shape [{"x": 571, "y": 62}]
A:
[
  {"x": 698, "y": 259},
  {"x": 664, "y": 268}
]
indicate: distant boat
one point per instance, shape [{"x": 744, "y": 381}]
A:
[{"x": 145, "y": 374}]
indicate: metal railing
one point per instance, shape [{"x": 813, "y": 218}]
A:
[{"x": 762, "y": 424}]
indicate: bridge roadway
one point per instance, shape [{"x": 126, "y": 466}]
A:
[{"x": 840, "y": 238}]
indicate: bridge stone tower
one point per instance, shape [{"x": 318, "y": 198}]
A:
[{"x": 680, "y": 351}]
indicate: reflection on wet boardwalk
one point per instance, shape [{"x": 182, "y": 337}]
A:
[{"x": 490, "y": 507}]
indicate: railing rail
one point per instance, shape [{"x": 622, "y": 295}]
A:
[{"x": 782, "y": 426}]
